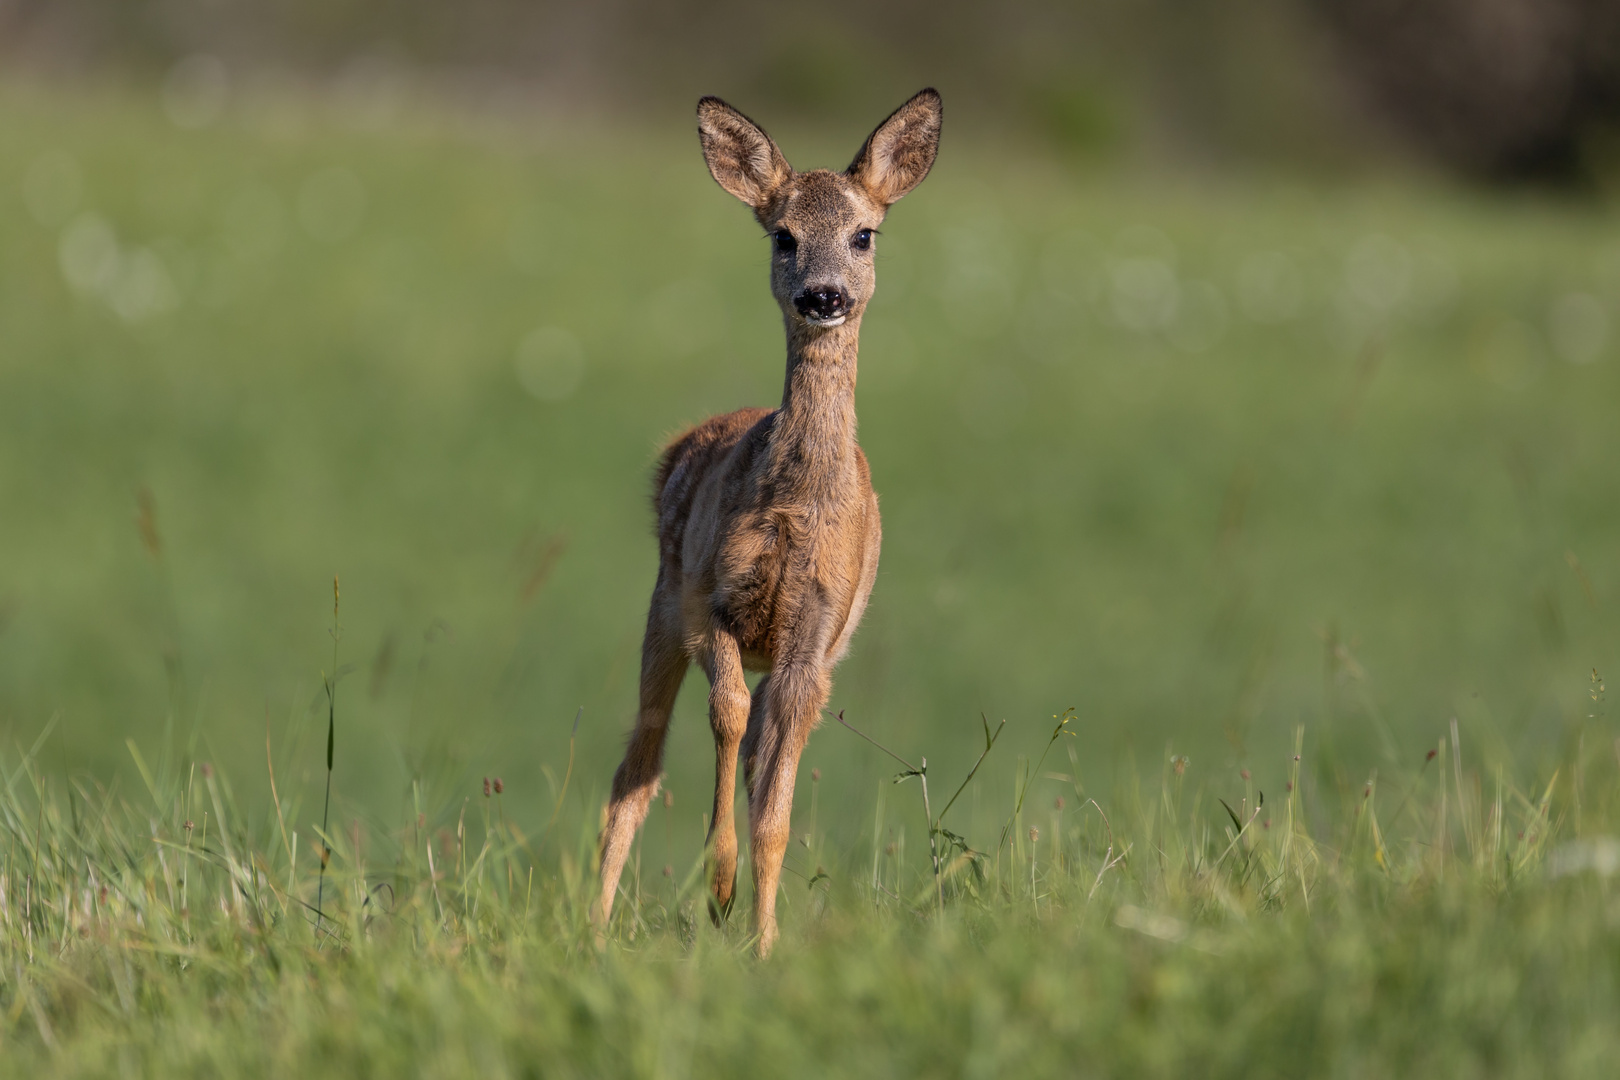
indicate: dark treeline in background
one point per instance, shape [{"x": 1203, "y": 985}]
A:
[{"x": 1500, "y": 90}]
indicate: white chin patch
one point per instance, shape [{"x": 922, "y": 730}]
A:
[{"x": 826, "y": 322}]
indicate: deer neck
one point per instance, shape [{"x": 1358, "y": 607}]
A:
[{"x": 813, "y": 444}]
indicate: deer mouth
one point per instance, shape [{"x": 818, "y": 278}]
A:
[{"x": 828, "y": 322}]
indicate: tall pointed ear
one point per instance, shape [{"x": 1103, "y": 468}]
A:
[
  {"x": 742, "y": 158},
  {"x": 900, "y": 152}
]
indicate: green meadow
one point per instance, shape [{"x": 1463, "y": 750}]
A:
[{"x": 1276, "y": 516}]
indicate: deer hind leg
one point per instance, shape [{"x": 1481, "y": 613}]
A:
[
  {"x": 663, "y": 667},
  {"x": 793, "y": 701},
  {"x": 756, "y": 723},
  {"x": 728, "y": 715}
]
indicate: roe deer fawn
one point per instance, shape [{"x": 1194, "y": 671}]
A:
[{"x": 768, "y": 527}]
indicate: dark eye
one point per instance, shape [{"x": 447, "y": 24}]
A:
[
  {"x": 784, "y": 240},
  {"x": 862, "y": 241}
]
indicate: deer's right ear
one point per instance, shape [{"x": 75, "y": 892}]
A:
[{"x": 742, "y": 158}]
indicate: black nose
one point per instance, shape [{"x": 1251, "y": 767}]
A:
[{"x": 822, "y": 302}]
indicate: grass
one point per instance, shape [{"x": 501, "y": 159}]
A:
[
  {"x": 1280, "y": 486},
  {"x": 1448, "y": 924}
]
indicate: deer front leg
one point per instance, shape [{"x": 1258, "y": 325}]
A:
[
  {"x": 663, "y": 667},
  {"x": 793, "y": 701},
  {"x": 728, "y": 716}
]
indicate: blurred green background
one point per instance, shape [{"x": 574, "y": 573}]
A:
[{"x": 1202, "y": 394}]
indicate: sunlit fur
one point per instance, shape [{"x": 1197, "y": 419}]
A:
[{"x": 768, "y": 529}]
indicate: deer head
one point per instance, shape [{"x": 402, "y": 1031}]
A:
[{"x": 821, "y": 224}]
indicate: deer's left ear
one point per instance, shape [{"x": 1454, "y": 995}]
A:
[{"x": 900, "y": 152}]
